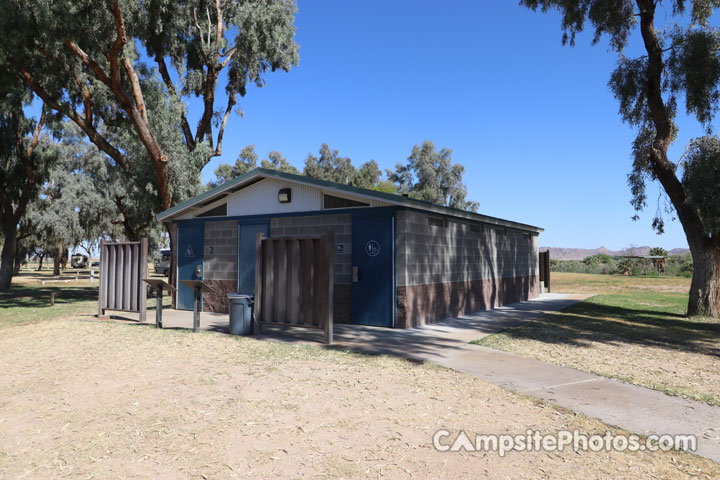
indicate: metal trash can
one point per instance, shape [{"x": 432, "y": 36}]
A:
[{"x": 241, "y": 313}]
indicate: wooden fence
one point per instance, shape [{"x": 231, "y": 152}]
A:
[
  {"x": 123, "y": 265},
  {"x": 294, "y": 282},
  {"x": 545, "y": 270}
]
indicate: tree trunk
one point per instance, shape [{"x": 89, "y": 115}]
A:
[
  {"x": 57, "y": 259},
  {"x": 7, "y": 259},
  {"x": 19, "y": 257},
  {"x": 705, "y": 287}
]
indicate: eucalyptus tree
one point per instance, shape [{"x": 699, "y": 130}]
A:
[
  {"x": 246, "y": 161},
  {"x": 430, "y": 175},
  {"x": 24, "y": 162},
  {"x": 99, "y": 63},
  {"x": 680, "y": 62},
  {"x": 330, "y": 166},
  {"x": 276, "y": 161}
]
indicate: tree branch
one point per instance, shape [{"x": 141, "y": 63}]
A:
[
  {"x": 232, "y": 99},
  {"x": 92, "y": 134},
  {"x": 137, "y": 92},
  {"x": 87, "y": 61},
  {"x": 120, "y": 40},
  {"x": 36, "y": 134},
  {"x": 664, "y": 170},
  {"x": 184, "y": 124}
]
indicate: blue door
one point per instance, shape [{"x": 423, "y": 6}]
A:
[
  {"x": 373, "y": 245},
  {"x": 247, "y": 235},
  {"x": 190, "y": 255}
]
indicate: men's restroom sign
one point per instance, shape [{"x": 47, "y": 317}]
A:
[
  {"x": 372, "y": 248},
  {"x": 189, "y": 252}
]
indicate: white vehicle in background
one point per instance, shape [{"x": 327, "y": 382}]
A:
[
  {"x": 79, "y": 260},
  {"x": 162, "y": 266}
]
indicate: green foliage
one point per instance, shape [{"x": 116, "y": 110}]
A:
[
  {"x": 701, "y": 181},
  {"x": 126, "y": 71},
  {"x": 658, "y": 252},
  {"x": 597, "y": 259},
  {"x": 330, "y": 166},
  {"x": 430, "y": 175},
  {"x": 625, "y": 266},
  {"x": 246, "y": 161},
  {"x": 276, "y": 161},
  {"x": 675, "y": 265}
]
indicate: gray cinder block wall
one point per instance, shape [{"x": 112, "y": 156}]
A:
[
  {"x": 446, "y": 267},
  {"x": 341, "y": 226},
  {"x": 220, "y": 268}
]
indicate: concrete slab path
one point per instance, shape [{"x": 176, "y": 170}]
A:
[{"x": 636, "y": 409}]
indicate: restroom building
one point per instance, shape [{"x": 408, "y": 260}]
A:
[{"x": 399, "y": 262}]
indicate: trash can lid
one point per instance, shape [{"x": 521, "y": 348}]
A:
[{"x": 240, "y": 295}]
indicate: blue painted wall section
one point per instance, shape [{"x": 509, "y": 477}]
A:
[
  {"x": 373, "y": 261},
  {"x": 190, "y": 255}
]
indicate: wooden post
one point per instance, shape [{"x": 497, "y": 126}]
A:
[
  {"x": 257, "y": 310},
  {"x": 103, "y": 281},
  {"x": 52, "y": 299},
  {"x": 158, "y": 307},
  {"x": 329, "y": 253},
  {"x": 547, "y": 271},
  {"x": 142, "y": 297},
  {"x": 196, "y": 311}
]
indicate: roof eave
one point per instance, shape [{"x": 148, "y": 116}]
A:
[{"x": 211, "y": 195}]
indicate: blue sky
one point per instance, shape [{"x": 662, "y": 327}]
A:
[{"x": 532, "y": 121}]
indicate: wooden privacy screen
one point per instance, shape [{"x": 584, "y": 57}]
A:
[
  {"x": 123, "y": 265},
  {"x": 294, "y": 282},
  {"x": 545, "y": 269}
]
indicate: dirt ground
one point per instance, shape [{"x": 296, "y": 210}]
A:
[{"x": 87, "y": 399}]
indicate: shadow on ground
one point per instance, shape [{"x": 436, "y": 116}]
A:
[
  {"x": 37, "y": 296},
  {"x": 593, "y": 321}
]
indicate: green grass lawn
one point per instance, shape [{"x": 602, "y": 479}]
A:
[
  {"x": 636, "y": 332},
  {"x": 30, "y": 302}
]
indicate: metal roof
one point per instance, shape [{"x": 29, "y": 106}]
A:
[{"x": 257, "y": 174}]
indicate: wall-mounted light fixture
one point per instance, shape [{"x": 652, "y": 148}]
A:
[{"x": 284, "y": 195}]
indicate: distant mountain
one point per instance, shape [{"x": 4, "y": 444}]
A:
[{"x": 580, "y": 253}]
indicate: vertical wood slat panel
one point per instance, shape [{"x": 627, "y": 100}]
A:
[
  {"x": 135, "y": 269},
  {"x": 119, "y": 276},
  {"x": 293, "y": 297},
  {"x": 329, "y": 274},
  {"x": 102, "y": 296},
  {"x": 306, "y": 300},
  {"x": 143, "y": 273},
  {"x": 294, "y": 282},
  {"x": 281, "y": 264},
  {"x": 269, "y": 274},
  {"x": 319, "y": 293},
  {"x": 111, "y": 278},
  {"x": 122, "y": 267},
  {"x": 127, "y": 276}
]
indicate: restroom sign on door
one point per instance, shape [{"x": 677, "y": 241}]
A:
[{"x": 372, "y": 248}]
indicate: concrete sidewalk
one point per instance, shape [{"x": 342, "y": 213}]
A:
[{"x": 636, "y": 409}]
